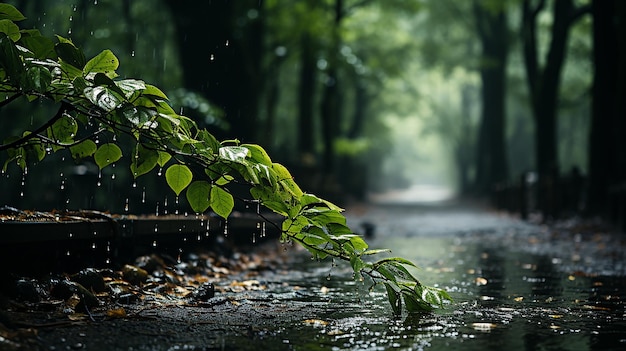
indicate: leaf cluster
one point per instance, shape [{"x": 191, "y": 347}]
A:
[{"x": 95, "y": 105}]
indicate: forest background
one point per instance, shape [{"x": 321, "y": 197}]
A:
[{"x": 356, "y": 96}]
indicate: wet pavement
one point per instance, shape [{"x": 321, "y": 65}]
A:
[{"x": 516, "y": 286}]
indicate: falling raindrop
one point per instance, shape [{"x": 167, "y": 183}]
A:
[
  {"x": 154, "y": 243},
  {"x": 99, "y": 178},
  {"x": 254, "y": 238},
  {"x": 143, "y": 195},
  {"x": 226, "y": 227},
  {"x": 226, "y": 42},
  {"x": 207, "y": 227},
  {"x": 212, "y": 57},
  {"x": 263, "y": 230},
  {"x": 156, "y": 228},
  {"x": 93, "y": 245},
  {"x": 134, "y": 184},
  {"x": 126, "y": 206},
  {"x": 165, "y": 206},
  {"x": 71, "y": 235},
  {"x": 160, "y": 172},
  {"x": 67, "y": 253},
  {"x": 132, "y": 53},
  {"x": 156, "y": 212}
]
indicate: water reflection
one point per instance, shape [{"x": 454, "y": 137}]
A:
[{"x": 515, "y": 286}]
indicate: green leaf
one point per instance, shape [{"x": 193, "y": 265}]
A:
[
  {"x": 394, "y": 299},
  {"x": 104, "y": 62},
  {"x": 178, "y": 177},
  {"x": 107, "y": 154},
  {"x": 38, "y": 79},
  {"x": 103, "y": 97},
  {"x": 63, "y": 130},
  {"x": 10, "y": 59},
  {"x": 198, "y": 194},
  {"x": 10, "y": 29},
  {"x": 70, "y": 54},
  {"x": 144, "y": 161},
  {"x": 222, "y": 202},
  {"x": 375, "y": 251},
  {"x": 163, "y": 158},
  {"x": 41, "y": 47},
  {"x": 9, "y": 12},
  {"x": 130, "y": 86},
  {"x": 154, "y": 91},
  {"x": 84, "y": 149},
  {"x": 234, "y": 153},
  {"x": 258, "y": 154}
]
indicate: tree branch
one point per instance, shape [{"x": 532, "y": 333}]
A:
[{"x": 63, "y": 109}]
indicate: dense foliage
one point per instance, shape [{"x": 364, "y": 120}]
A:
[{"x": 96, "y": 109}]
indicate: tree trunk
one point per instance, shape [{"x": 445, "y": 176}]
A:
[
  {"x": 606, "y": 141},
  {"x": 220, "y": 45},
  {"x": 306, "y": 135},
  {"x": 491, "y": 154}
]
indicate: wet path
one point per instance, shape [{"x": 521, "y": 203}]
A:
[{"x": 516, "y": 286}]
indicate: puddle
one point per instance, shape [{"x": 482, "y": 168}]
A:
[{"x": 516, "y": 286}]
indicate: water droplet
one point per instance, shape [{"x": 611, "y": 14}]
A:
[
  {"x": 99, "y": 178},
  {"x": 154, "y": 243},
  {"x": 254, "y": 238},
  {"x": 226, "y": 227},
  {"x": 134, "y": 184},
  {"x": 93, "y": 245},
  {"x": 126, "y": 206},
  {"x": 132, "y": 53},
  {"x": 165, "y": 206},
  {"x": 71, "y": 235},
  {"x": 112, "y": 176},
  {"x": 143, "y": 195},
  {"x": 156, "y": 229},
  {"x": 263, "y": 230},
  {"x": 212, "y": 57},
  {"x": 227, "y": 42},
  {"x": 156, "y": 212},
  {"x": 67, "y": 253},
  {"x": 160, "y": 172}
]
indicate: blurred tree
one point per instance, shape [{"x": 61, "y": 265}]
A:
[
  {"x": 543, "y": 82},
  {"x": 492, "y": 29},
  {"x": 607, "y": 164},
  {"x": 221, "y": 47}
]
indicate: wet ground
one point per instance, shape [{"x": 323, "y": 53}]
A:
[{"x": 516, "y": 285}]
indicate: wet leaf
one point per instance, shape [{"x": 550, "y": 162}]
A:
[
  {"x": 144, "y": 161},
  {"x": 104, "y": 62},
  {"x": 83, "y": 149},
  {"x": 221, "y": 201},
  {"x": 107, "y": 154},
  {"x": 198, "y": 196},
  {"x": 10, "y": 29},
  {"x": 9, "y": 12},
  {"x": 178, "y": 177}
]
